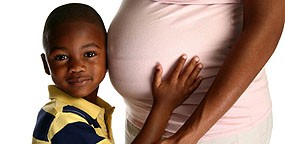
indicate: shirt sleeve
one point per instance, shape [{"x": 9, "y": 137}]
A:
[{"x": 77, "y": 133}]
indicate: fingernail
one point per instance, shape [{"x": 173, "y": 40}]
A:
[
  {"x": 200, "y": 66},
  {"x": 196, "y": 58},
  {"x": 184, "y": 56},
  {"x": 158, "y": 66}
]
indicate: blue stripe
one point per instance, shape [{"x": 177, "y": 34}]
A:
[
  {"x": 44, "y": 121},
  {"x": 76, "y": 133},
  {"x": 83, "y": 114}
]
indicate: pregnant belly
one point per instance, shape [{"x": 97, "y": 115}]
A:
[
  {"x": 144, "y": 33},
  {"x": 135, "y": 45}
]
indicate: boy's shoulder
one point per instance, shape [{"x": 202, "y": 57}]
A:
[
  {"x": 63, "y": 113},
  {"x": 54, "y": 116},
  {"x": 65, "y": 116}
]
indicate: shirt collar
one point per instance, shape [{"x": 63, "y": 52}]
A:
[{"x": 93, "y": 109}]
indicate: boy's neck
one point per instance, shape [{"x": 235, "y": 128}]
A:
[{"x": 92, "y": 97}]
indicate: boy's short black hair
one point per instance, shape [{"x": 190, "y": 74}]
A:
[{"x": 68, "y": 13}]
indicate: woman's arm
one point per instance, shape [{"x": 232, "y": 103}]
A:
[
  {"x": 168, "y": 94},
  {"x": 263, "y": 25}
]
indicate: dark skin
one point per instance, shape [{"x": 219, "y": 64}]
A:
[
  {"x": 169, "y": 93},
  {"x": 76, "y": 60},
  {"x": 263, "y": 25}
]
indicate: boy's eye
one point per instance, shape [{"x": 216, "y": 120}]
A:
[
  {"x": 60, "y": 57},
  {"x": 90, "y": 54}
]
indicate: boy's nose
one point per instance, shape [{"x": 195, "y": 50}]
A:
[{"x": 76, "y": 66}]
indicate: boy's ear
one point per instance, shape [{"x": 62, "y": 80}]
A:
[{"x": 45, "y": 63}]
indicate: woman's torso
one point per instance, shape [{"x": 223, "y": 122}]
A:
[{"x": 145, "y": 32}]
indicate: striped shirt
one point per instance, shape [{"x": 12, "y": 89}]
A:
[{"x": 69, "y": 120}]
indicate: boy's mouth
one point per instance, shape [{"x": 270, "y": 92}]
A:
[{"x": 78, "y": 81}]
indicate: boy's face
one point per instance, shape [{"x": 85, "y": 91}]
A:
[{"x": 76, "y": 55}]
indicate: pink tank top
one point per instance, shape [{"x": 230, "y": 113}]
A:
[
  {"x": 145, "y": 32},
  {"x": 198, "y": 1}
]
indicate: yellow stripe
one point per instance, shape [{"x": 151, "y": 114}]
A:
[
  {"x": 61, "y": 120},
  {"x": 36, "y": 141},
  {"x": 105, "y": 141}
]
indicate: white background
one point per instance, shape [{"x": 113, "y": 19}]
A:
[{"x": 24, "y": 83}]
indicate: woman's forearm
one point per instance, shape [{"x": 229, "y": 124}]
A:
[{"x": 263, "y": 25}]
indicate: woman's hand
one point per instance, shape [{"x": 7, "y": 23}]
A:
[{"x": 263, "y": 22}]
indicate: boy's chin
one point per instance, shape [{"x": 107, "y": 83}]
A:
[{"x": 79, "y": 94}]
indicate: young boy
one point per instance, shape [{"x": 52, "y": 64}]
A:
[{"x": 74, "y": 41}]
